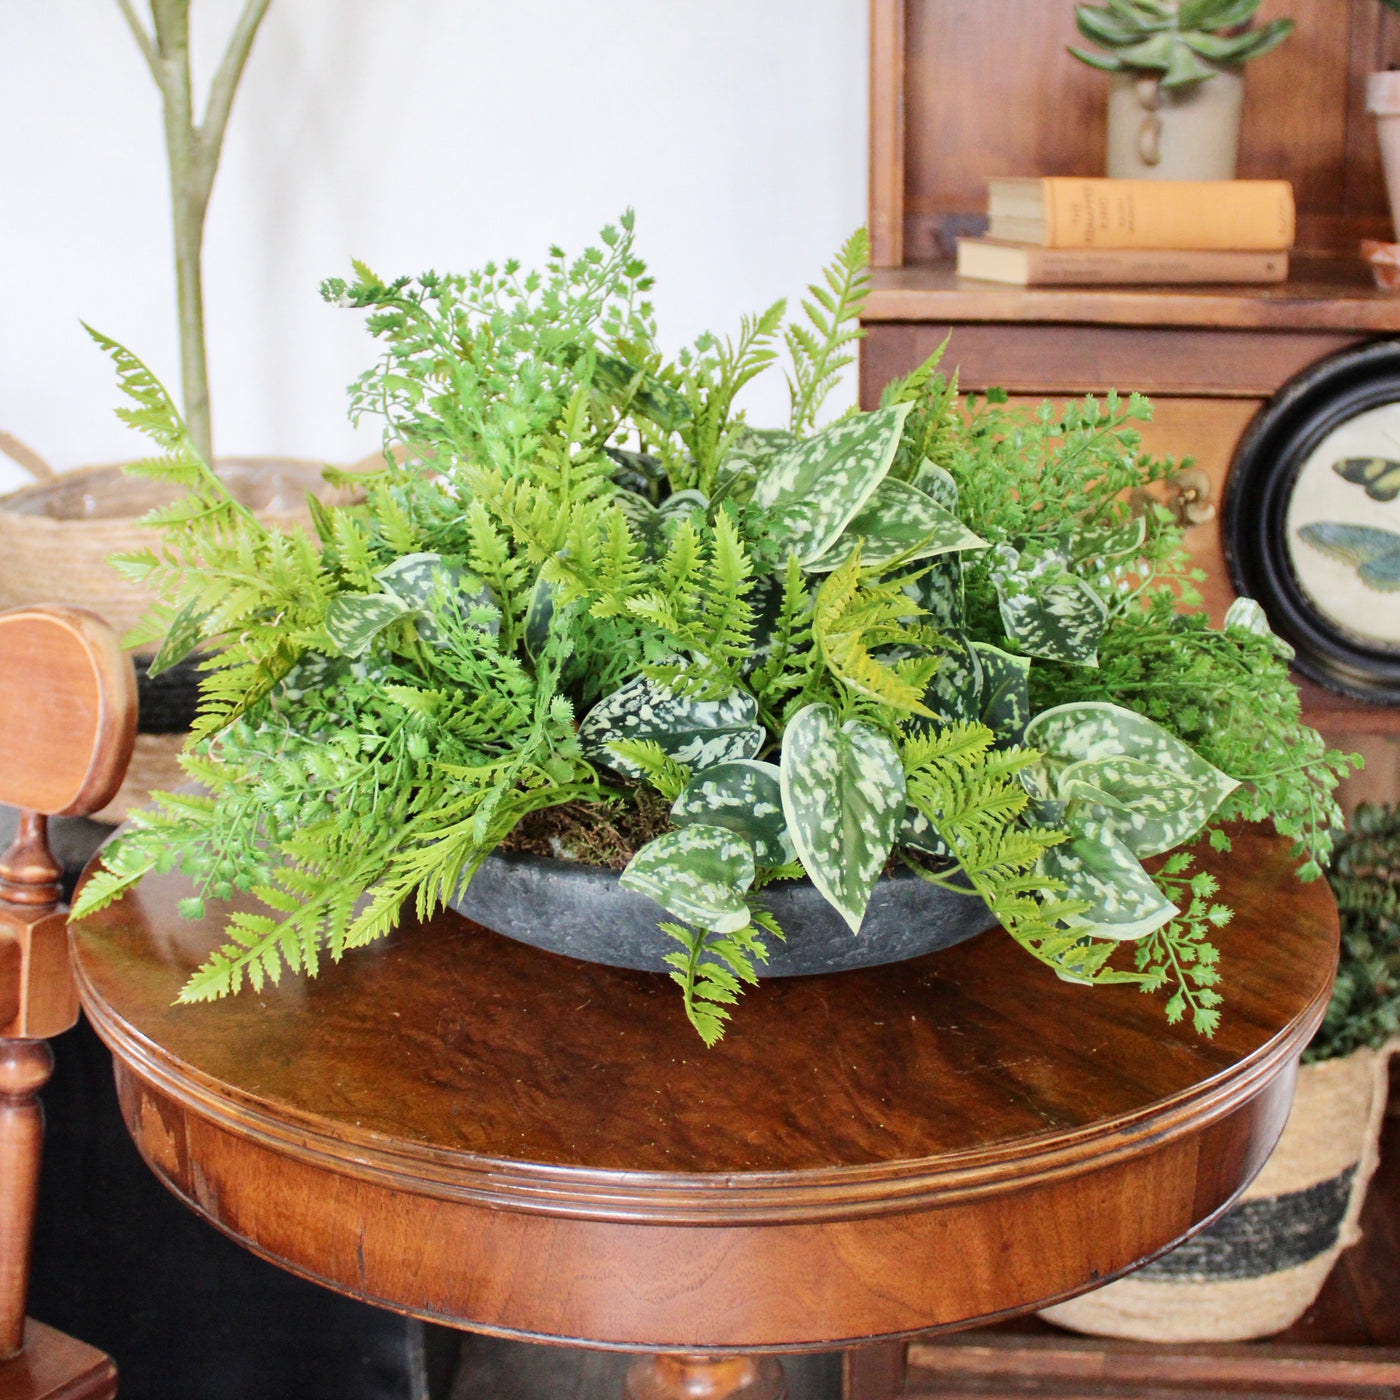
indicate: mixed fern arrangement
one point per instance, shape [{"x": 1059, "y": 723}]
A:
[{"x": 934, "y": 634}]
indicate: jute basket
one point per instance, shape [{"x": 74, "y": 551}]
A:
[
  {"x": 1257, "y": 1269},
  {"x": 57, "y": 536}
]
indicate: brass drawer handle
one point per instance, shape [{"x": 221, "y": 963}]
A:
[{"x": 1189, "y": 497}]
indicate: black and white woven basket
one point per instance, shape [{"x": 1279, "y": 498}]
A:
[{"x": 1256, "y": 1270}]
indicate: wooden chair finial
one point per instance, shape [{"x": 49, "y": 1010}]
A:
[{"x": 67, "y": 726}]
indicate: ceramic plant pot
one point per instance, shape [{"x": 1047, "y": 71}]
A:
[
  {"x": 1257, "y": 1269},
  {"x": 1383, "y": 102},
  {"x": 581, "y": 911},
  {"x": 1180, "y": 133}
]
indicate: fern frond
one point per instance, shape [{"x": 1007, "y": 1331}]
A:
[
  {"x": 850, "y": 617},
  {"x": 834, "y": 311}
]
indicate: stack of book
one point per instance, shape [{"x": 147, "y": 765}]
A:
[{"x": 1066, "y": 231}]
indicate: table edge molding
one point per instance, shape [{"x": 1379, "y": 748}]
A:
[{"x": 719, "y": 1198}]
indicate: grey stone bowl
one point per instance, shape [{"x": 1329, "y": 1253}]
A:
[{"x": 581, "y": 911}]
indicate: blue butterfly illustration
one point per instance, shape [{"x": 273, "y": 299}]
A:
[{"x": 1374, "y": 554}]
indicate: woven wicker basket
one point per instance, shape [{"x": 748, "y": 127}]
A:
[
  {"x": 1257, "y": 1269},
  {"x": 57, "y": 535}
]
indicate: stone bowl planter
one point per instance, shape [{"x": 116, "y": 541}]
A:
[{"x": 582, "y": 912}]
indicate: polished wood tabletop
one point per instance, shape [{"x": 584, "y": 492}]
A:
[{"x": 471, "y": 1130}]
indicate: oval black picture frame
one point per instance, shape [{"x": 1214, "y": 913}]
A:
[{"x": 1260, "y": 484}]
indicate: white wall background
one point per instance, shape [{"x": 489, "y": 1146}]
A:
[{"x": 412, "y": 134}]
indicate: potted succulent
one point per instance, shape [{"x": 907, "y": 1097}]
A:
[
  {"x": 593, "y": 642},
  {"x": 1258, "y": 1268},
  {"x": 1383, "y": 102},
  {"x": 1177, "y": 86}
]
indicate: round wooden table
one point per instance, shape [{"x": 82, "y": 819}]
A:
[{"x": 472, "y": 1131}]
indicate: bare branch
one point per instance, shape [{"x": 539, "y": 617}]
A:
[
  {"x": 143, "y": 42},
  {"x": 225, "y": 84}
]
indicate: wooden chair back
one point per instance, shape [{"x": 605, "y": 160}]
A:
[{"x": 67, "y": 726}]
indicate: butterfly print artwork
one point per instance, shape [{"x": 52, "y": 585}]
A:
[
  {"x": 1379, "y": 475},
  {"x": 1374, "y": 554}
]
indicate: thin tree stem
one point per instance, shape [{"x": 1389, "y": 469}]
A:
[{"x": 192, "y": 152}]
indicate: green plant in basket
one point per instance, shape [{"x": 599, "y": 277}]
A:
[
  {"x": 1365, "y": 878},
  {"x": 584, "y": 595},
  {"x": 1185, "y": 41}
]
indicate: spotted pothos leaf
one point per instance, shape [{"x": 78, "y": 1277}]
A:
[
  {"x": 1006, "y": 696},
  {"x": 354, "y": 620},
  {"x": 937, "y": 483},
  {"x": 416, "y": 579},
  {"x": 747, "y": 797},
  {"x": 1138, "y": 781},
  {"x": 919, "y": 834},
  {"x": 844, "y": 796},
  {"x": 1095, "y": 866},
  {"x": 1046, "y": 609},
  {"x": 698, "y": 873},
  {"x": 183, "y": 635},
  {"x": 1245, "y": 615},
  {"x": 899, "y": 520},
  {"x": 698, "y": 733},
  {"x": 646, "y": 394},
  {"x": 815, "y": 487},
  {"x": 650, "y": 524},
  {"x": 749, "y": 452},
  {"x": 955, "y": 689}
]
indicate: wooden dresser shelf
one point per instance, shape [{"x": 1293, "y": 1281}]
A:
[{"x": 1321, "y": 294}]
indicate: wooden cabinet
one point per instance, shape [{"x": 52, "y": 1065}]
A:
[{"x": 963, "y": 89}]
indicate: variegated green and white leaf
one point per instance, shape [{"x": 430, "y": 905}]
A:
[
  {"x": 750, "y": 450},
  {"x": 937, "y": 483},
  {"x": 844, "y": 797},
  {"x": 938, "y": 590},
  {"x": 899, "y": 520},
  {"x": 917, "y": 832},
  {"x": 648, "y": 395},
  {"x": 538, "y": 616},
  {"x": 698, "y": 874},
  {"x": 1109, "y": 544},
  {"x": 766, "y": 600},
  {"x": 1149, "y": 808},
  {"x": 417, "y": 579},
  {"x": 354, "y": 620},
  {"x": 650, "y": 525},
  {"x": 698, "y": 733},
  {"x": 1006, "y": 694},
  {"x": 638, "y": 472},
  {"x": 1048, "y": 611},
  {"x": 1096, "y": 867},
  {"x": 955, "y": 691},
  {"x": 747, "y": 797},
  {"x": 1245, "y": 615},
  {"x": 1093, "y": 732},
  {"x": 822, "y": 482},
  {"x": 182, "y": 636}
]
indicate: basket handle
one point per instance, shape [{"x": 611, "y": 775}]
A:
[{"x": 27, "y": 457}]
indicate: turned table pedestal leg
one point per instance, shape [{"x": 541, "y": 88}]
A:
[{"x": 706, "y": 1378}]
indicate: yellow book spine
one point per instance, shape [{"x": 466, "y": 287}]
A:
[{"x": 1241, "y": 214}]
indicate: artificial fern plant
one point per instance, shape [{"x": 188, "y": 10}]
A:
[{"x": 933, "y": 634}]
